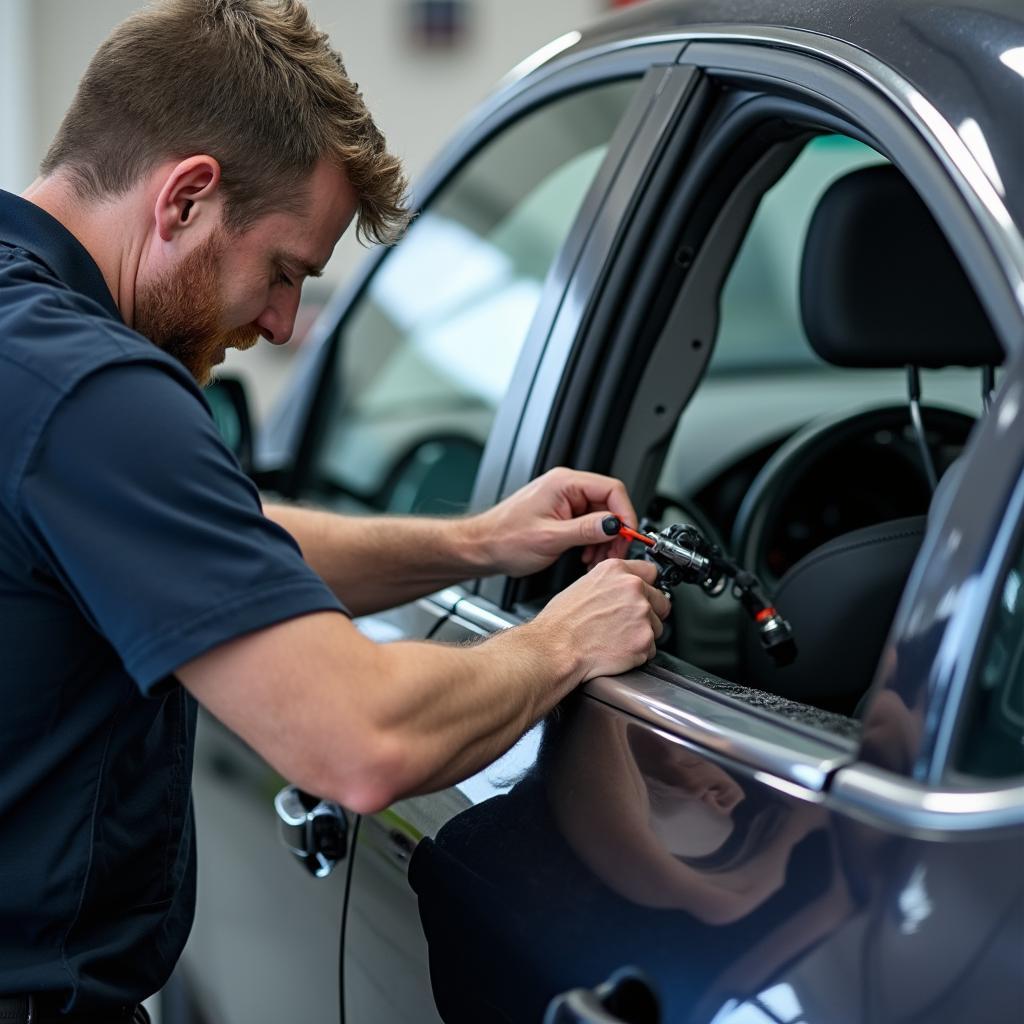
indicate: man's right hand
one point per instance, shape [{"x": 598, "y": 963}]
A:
[{"x": 612, "y": 617}]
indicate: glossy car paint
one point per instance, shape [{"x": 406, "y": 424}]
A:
[{"x": 863, "y": 881}]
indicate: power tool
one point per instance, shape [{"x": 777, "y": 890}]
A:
[{"x": 684, "y": 555}]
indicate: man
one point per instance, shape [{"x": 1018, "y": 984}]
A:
[{"x": 212, "y": 157}]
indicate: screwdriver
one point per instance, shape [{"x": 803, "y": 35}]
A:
[{"x": 613, "y": 525}]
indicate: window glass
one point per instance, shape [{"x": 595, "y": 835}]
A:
[
  {"x": 429, "y": 350},
  {"x": 993, "y": 736}
]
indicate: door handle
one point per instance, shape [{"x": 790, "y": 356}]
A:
[
  {"x": 314, "y": 831},
  {"x": 625, "y": 998}
]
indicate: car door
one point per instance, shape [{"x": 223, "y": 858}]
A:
[{"x": 749, "y": 858}]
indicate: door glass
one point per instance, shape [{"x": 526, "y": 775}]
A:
[
  {"x": 992, "y": 743},
  {"x": 429, "y": 349}
]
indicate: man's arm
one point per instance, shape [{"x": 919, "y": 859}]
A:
[
  {"x": 375, "y": 563},
  {"x": 366, "y": 724}
]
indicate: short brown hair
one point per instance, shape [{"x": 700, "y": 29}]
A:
[{"x": 252, "y": 83}]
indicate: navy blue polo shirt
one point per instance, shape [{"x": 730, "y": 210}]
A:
[{"x": 130, "y": 543}]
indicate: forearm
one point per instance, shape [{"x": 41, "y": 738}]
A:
[
  {"x": 453, "y": 710},
  {"x": 366, "y": 724},
  {"x": 381, "y": 562}
]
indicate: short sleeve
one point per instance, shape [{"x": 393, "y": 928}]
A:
[{"x": 134, "y": 503}]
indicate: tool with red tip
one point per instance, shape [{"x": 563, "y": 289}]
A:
[
  {"x": 683, "y": 555},
  {"x": 612, "y": 525}
]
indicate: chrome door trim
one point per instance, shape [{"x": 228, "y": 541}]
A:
[
  {"x": 895, "y": 802},
  {"x": 978, "y": 190},
  {"x": 448, "y": 598},
  {"x": 474, "y": 612},
  {"x": 796, "y": 759},
  {"x": 709, "y": 723}
]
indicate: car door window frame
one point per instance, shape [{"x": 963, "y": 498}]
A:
[
  {"x": 1006, "y": 554},
  {"x": 905, "y": 140}
]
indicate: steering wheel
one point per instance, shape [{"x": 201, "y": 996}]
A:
[{"x": 838, "y": 475}]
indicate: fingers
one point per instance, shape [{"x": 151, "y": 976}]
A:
[
  {"x": 583, "y": 491},
  {"x": 647, "y": 571},
  {"x": 659, "y": 603},
  {"x": 612, "y": 547},
  {"x": 657, "y": 626},
  {"x": 599, "y": 491}
]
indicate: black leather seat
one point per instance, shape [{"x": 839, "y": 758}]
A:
[
  {"x": 840, "y": 600},
  {"x": 880, "y": 287}
]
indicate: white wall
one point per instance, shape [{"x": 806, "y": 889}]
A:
[
  {"x": 16, "y": 144},
  {"x": 418, "y": 97}
]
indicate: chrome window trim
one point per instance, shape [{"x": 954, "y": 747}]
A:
[
  {"x": 709, "y": 723},
  {"x": 490, "y": 621},
  {"x": 794, "y": 759},
  {"x": 890, "y": 801},
  {"x": 448, "y": 598},
  {"x": 971, "y": 180}
]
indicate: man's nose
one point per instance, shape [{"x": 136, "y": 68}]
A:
[{"x": 277, "y": 321}]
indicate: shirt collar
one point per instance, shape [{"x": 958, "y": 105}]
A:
[{"x": 29, "y": 227}]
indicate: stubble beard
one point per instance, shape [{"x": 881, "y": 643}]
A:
[{"x": 180, "y": 313}]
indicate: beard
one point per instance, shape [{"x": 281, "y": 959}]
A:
[{"x": 180, "y": 312}]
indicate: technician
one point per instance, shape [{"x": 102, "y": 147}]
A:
[{"x": 213, "y": 155}]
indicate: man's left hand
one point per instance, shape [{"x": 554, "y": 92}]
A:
[{"x": 560, "y": 510}]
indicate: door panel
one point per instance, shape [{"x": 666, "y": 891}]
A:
[{"x": 741, "y": 896}]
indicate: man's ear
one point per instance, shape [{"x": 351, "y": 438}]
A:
[{"x": 190, "y": 194}]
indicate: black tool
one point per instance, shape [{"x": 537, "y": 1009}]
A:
[{"x": 684, "y": 555}]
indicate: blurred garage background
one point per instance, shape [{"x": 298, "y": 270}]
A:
[{"x": 423, "y": 65}]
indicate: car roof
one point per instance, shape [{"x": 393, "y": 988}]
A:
[{"x": 965, "y": 57}]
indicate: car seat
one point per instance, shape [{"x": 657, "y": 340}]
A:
[{"x": 880, "y": 288}]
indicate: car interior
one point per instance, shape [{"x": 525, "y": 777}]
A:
[
  {"x": 830, "y": 515},
  {"x": 794, "y": 363}
]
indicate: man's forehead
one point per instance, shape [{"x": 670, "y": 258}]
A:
[{"x": 305, "y": 237}]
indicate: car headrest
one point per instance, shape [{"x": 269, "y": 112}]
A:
[{"x": 880, "y": 285}]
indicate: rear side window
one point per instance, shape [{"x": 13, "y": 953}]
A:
[
  {"x": 429, "y": 350},
  {"x": 992, "y": 744}
]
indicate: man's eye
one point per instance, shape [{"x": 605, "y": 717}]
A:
[{"x": 283, "y": 278}]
